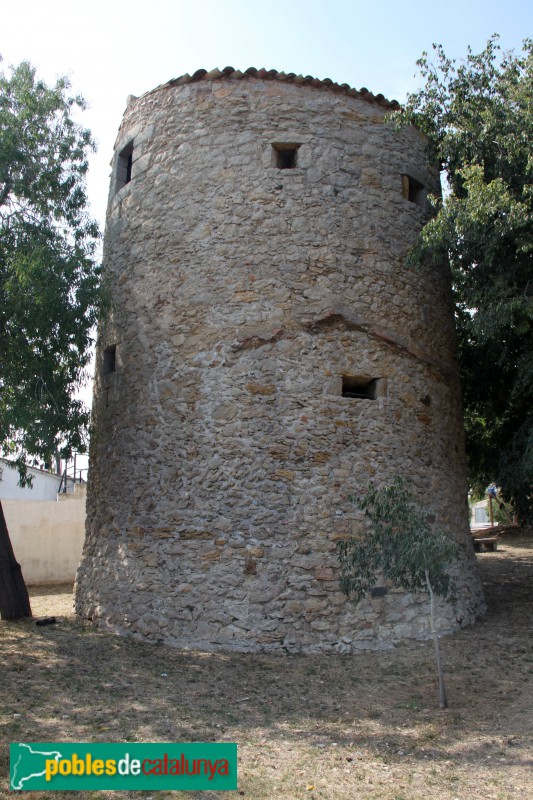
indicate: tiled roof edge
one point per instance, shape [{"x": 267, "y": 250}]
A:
[{"x": 274, "y": 75}]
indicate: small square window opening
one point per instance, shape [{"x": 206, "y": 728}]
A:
[
  {"x": 359, "y": 388},
  {"x": 414, "y": 191},
  {"x": 285, "y": 156}
]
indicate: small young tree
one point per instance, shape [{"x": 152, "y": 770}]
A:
[{"x": 400, "y": 546}]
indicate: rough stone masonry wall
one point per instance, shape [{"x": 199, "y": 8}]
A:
[{"x": 224, "y": 453}]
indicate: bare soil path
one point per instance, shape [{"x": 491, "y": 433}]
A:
[{"x": 316, "y": 727}]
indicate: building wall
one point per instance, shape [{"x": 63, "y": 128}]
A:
[
  {"x": 44, "y": 487},
  {"x": 225, "y": 452},
  {"x": 47, "y": 536}
]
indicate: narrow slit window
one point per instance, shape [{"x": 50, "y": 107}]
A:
[
  {"x": 359, "y": 388},
  {"x": 124, "y": 166},
  {"x": 414, "y": 191},
  {"x": 285, "y": 156},
  {"x": 129, "y": 164},
  {"x": 110, "y": 360}
]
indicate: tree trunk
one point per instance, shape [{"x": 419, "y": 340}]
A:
[
  {"x": 14, "y": 599},
  {"x": 443, "y": 702}
]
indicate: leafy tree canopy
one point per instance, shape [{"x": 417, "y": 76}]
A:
[
  {"x": 49, "y": 279},
  {"x": 478, "y": 116}
]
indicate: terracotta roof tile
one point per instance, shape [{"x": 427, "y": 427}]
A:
[{"x": 272, "y": 74}]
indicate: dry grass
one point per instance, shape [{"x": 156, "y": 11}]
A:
[{"x": 316, "y": 727}]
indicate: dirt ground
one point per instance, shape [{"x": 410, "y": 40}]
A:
[{"x": 318, "y": 727}]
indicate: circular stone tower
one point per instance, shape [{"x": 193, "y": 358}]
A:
[{"x": 268, "y": 353}]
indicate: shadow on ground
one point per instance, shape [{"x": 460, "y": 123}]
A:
[{"x": 70, "y": 682}]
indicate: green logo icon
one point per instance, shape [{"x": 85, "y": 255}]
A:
[{"x": 63, "y": 766}]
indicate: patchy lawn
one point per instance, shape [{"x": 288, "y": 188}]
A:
[{"x": 317, "y": 727}]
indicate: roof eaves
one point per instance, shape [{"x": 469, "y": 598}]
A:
[{"x": 272, "y": 74}]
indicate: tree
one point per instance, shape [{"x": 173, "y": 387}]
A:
[
  {"x": 478, "y": 117},
  {"x": 49, "y": 282},
  {"x": 400, "y": 546}
]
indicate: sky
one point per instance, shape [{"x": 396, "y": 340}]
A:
[{"x": 113, "y": 48}]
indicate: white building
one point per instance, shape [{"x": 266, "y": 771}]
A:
[
  {"x": 46, "y": 528},
  {"x": 45, "y": 485}
]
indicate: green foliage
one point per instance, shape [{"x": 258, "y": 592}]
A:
[
  {"x": 478, "y": 117},
  {"x": 49, "y": 279},
  {"x": 399, "y": 544}
]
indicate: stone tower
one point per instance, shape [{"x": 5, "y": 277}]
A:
[{"x": 268, "y": 353}]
